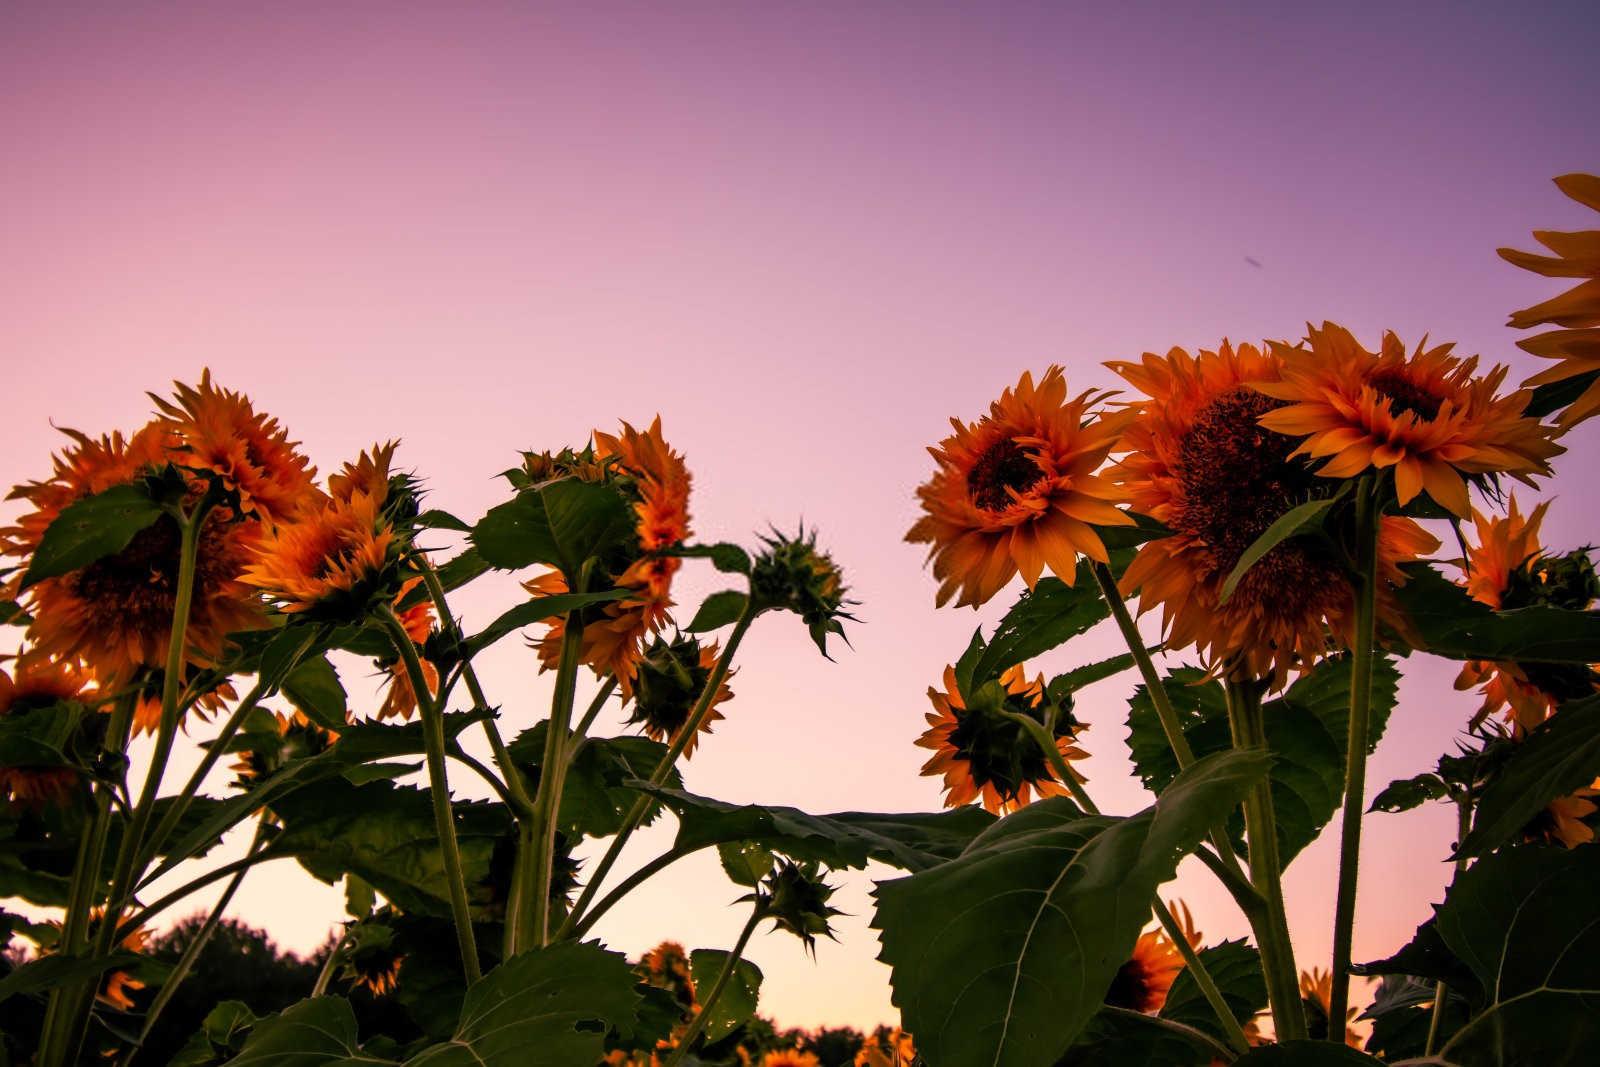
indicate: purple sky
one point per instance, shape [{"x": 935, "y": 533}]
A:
[{"x": 805, "y": 234}]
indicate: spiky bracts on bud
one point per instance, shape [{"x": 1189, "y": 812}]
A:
[
  {"x": 795, "y": 898},
  {"x": 793, "y": 574}
]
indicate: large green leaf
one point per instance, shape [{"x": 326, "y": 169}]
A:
[
  {"x": 561, "y": 523},
  {"x": 43, "y": 973},
  {"x": 313, "y": 686},
  {"x": 913, "y": 842},
  {"x": 739, "y": 997},
  {"x": 596, "y": 796},
  {"x": 1560, "y": 756},
  {"x": 532, "y": 611},
  {"x": 1004, "y": 954},
  {"x": 1049, "y": 615},
  {"x": 320, "y": 1032},
  {"x": 92, "y": 528},
  {"x": 1117, "y": 1037},
  {"x": 1307, "y": 728},
  {"x": 1236, "y": 968},
  {"x": 1449, "y": 623}
]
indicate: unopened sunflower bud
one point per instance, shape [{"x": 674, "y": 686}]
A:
[
  {"x": 792, "y": 574},
  {"x": 670, "y": 679},
  {"x": 795, "y": 898}
]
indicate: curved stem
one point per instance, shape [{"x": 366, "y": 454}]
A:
[
  {"x": 1261, "y": 830},
  {"x": 1436, "y": 1021},
  {"x": 757, "y": 913},
  {"x": 636, "y": 814},
  {"x": 1189, "y": 1033},
  {"x": 1202, "y": 978},
  {"x": 467, "y": 760},
  {"x": 1368, "y": 522},
  {"x": 325, "y": 972},
  {"x": 628, "y": 884},
  {"x": 552, "y": 778},
  {"x": 439, "y": 790},
  {"x": 143, "y": 916},
  {"x": 581, "y": 732}
]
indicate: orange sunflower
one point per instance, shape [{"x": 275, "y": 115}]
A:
[
  {"x": 339, "y": 550},
  {"x": 115, "y": 614},
  {"x": 1199, "y": 461},
  {"x": 893, "y": 1048},
  {"x": 1577, "y": 346},
  {"x": 219, "y": 433},
  {"x": 1507, "y": 569},
  {"x": 400, "y": 699},
  {"x": 1316, "y": 995},
  {"x": 38, "y": 682},
  {"x": 658, "y": 480},
  {"x": 1143, "y": 982},
  {"x": 790, "y": 1057},
  {"x": 980, "y": 753},
  {"x": 1017, "y": 491},
  {"x": 115, "y": 985},
  {"x": 299, "y": 738},
  {"x": 1426, "y": 415},
  {"x": 667, "y": 684},
  {"x": 1563, "y": 820}
]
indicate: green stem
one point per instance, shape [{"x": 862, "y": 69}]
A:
[
  {"x": 144, "y": 916},
  {"x": 329, "y": 965},
  {"x": 1368, "y": 523},
  {"x": 628, "y": 884},
  {"x": 1272, "y": 927},
  {"x": 439, "y": 789},
  {"x": 1208, "y": 985},
  {"x": 191, "y": 952},
  {"x": 731, "y": 964},
  {"x": 552, "y": 779},
  {"x": 581, "y": 732},
  {"x": 636, "y": 814},
  {"x": 1463, "y": 827}
]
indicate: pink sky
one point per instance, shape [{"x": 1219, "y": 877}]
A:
[{"x": 805, "y": 235}]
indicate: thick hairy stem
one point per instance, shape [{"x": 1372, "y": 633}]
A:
[
  {"x": 439, "y": 790},
  {"x": 552, "y": 780},
  {"x": 636, "y": 814},
  {"x": 757, "y": 913},
  {"x": 1463, "y": 827},
  {"x": 1272, "y": 926},
  {"x": 1368, "y": 521}
]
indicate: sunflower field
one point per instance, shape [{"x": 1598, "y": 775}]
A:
[{"x": 1295, "y": 517}]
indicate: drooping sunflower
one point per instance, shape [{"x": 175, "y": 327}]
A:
[
  {"x": 37, "y": 682},
  {"x": 658, "y": 480},
  {"x": 667, "y": 684},
  {"x": 1428, "y": 415},
  {"x": 1577, "y": 344},
  {"x": 982, "y": 754},
  {"x": 1316, "y": 995},
  {"x": 115, "y": 614},
  {"x": 1018, "y": 491},
  {"x": 1143, "y": 982},
  {"x": 400, "y": 698},
  {"x": 1508, "y": 569},
  {"x": 220, "y": 434},
  {"x": 1198, "y": 460},
  {"x": 338, "y": 554}
]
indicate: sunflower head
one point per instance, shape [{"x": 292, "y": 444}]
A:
[
  {"x": 1426, "y": 415},
  {"x": 271, "y": 742},
  {"x": 795, "y": 898},
  {"x": 372, "y": 958},
  {"x": 667, "y": 967},
  {"x": 887, "y": 1047},
  {"x": 669, "y": 680},
  {"x": 245, "y": 454},
  {"x": 1144, "y": 980},
  {"x": 1316, "y": 995},
  {"x": 982, "y": 753},
  {"x": 1566, "y": 821},
  {"x": 790, "y": 1057},
  {"x": 793, "y": 574},
  {"x": 1018, "y": 491},
  {"x": 1199, "y": 461},
  {"x": 1576, "y": 345},
  {"x": 37, "y": 684}
]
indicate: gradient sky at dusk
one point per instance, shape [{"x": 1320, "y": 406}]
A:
[{"x": 806, "y": 235}]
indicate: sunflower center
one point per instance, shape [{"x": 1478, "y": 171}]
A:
[
  {"x": 1003, "y": 466},
  {"x": 140, "y": 582},
  {"x": 1406, "y": 396}
]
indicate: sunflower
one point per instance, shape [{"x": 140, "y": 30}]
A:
[
  {"x": 1316, "y": 994},
  {"x": 790, "y": 1057},
  {"x": 220, "y": 435},
  {"x": 1564, "y": 820},
  {"x": 115, "y": 614},
  {"x": 887, "y": 1048},
  {"x": 37, "y": 682},
  {"x": 667, "y": 684},
  {"x": 1426, "y": 415},
  {"x": 297, "y": 738},
  {"x": 1199, "y": 461},
  {"x": 1017, "y": 491},
  {"x": 983, "y": 754},
  {"x": 115, "y": 985},
  {"x": 400, "y": 699},
  {"x": 339, "y": 551},
  {"x": 657, "y": 479},
  {"x": 1508, "y": 569},
  {"x": 667, "y": 967},
  {"x": 1577, "y": 346}
]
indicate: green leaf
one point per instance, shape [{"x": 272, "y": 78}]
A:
[
  {"x": 726, "y": 556},
  {"x": 1306, "y": 729},
  {"x": 551, "y": 1005},
  {"x": 745, "y": 862},
  {"x": 1236, "y": 968},
  {"x": 1306, "y": 1054},
  {"x": 1064, "y": 685},
  {"x": 1557, "y": 396},
  {"x": 598, "y": 793},
  {"x": 739, "y": 997},
  {"x": 44, "y": 973},
  {"x": 561, "y": 523},
  {"x": 1117, "y": 1037},
  {"x": 1296, "y": 522},
  {"x": 1559, "y": 757},
  {"x": 455, "y": 573},
  {"x": 1449, "y": 623},
  {"x": 435, "y": 519},
  {"x": 320, "y": 1032},
  {"x": 1402, "y": 1014},
  {"x": 92, "y": 528},
  {"x": 532, "y": 611},
  {"x": 11, "y": 613},
  {"x": 1403, "y": 794},
  {"x": 284, "y": 652},
  {"x": 313, "y": 686},
  {"x": 718, "y": 610},
  {"x": 1049, "y": 615},
  {"x": 359, "y": 897},
  {"x": 1036, "y": 916},
  {"x": 913, "y": 842}
]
